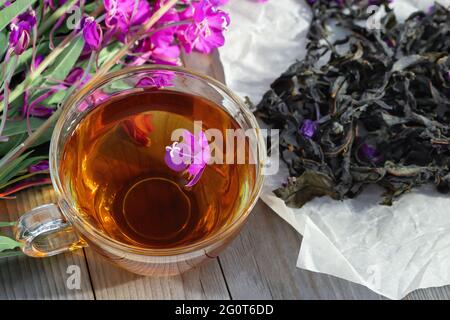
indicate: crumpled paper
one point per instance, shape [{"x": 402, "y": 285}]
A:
[{"x": 391, "y": 250}]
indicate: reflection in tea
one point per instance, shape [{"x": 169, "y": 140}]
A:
[{"x": 114, "y": 166}]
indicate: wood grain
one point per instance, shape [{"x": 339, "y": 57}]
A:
[
  {"x": 261, "y": 264},
  {"x": 110, "y": 282},
  {"x": 28, "y": 278}
]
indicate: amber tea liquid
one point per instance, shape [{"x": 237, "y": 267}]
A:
[{"x": 114, "y": 166}]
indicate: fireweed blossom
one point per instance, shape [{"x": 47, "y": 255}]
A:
[
  {"x": 206, "y": 31},
  {"x": 38, "y": 167},
  {"x": 92, "y": 34},
  {"x": 36, "y": 109},
  {"x": 190, "y": 156},
  {"x": 160, "y": 46},
  {"x": 20, "y": 35},
  {"x": 121, "y": 15},
  {"x": 308, "y": 128},
  {"x": 369, "y": 153}
]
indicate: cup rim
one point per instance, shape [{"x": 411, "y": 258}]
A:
[{"x": 71, "y": 213}]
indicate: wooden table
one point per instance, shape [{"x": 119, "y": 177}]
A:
[{"x": 259, "y": 264}]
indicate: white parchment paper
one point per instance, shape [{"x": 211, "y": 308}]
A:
[{"x": 391, "y": 250}]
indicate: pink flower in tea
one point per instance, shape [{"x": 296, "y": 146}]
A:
[
  {"x": 206, "y": 31},
  {"x": 190, "y": 156},
  {"x": 138, "y": 129}
]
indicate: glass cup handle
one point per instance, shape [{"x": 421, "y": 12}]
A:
[{"x": 45, "y": 232}]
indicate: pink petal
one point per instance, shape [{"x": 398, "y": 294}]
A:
[
  {"x": 174, "y": 163},
  {"x": 196, "y": 178}
]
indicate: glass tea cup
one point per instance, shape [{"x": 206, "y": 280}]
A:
[{"x": 59, "y": 227}]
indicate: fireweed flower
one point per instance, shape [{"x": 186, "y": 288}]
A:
[
  {"x": 40, "y": 166},
  {"x": 308, "y": 128},
  {"x": 157, "y": 51},
  {"x": 37, "y": 61},
  {"x": 206, "y": 31},
  {"x": 35, "y": 108},
  {"x": 19, "y": 37},
  {"x": 190, "y": 156},
  {"x": 218, "y": 3},
  {"x": 160, "y": 47},
  {"x": 122, "y": 14},
  {"x": 53, "y": 4},
  {"x": 369, "y": 153},
  {"x": 92, "y": 34},
  {"x": 75, "y": 75}
]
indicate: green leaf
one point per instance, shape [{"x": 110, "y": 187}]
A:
[
  {"x": 11, "y": 166},
  {"x": 7, "y": 224},
  {"x": 108, "y": 52},
  {"x": 20, "y": 178},
  {"x": 14, "y": 127},
  {"x": 19, "y": 134},
  {"x": 18, "y": 166},
  {"x": 90, "y": 7},
  {"x": 8, "y": 243},
  {"x": 3, "y": 43},
  {"x": 62, "y": 65},
  {"x": 16, "y": 8},
  {"x": 13, "y": 142}
]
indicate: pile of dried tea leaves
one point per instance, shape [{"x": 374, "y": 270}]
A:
[{"x": 369, "y": 107}]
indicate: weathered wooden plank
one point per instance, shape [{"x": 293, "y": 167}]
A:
[
  {"x": 46, "y": 278},
  {"x": 441, "y": 293},
  {"x": 205, "y": 64},
  {"x": 111, "y": 282},
  {"x": 261, "y": 264}
]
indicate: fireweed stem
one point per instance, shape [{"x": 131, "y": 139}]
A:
[
  {"x": 48, "y": 23},
  {"x": 18, "y": 150},
  {"x": 20, "y": 88},
  {"x": 9, "y": 73}
]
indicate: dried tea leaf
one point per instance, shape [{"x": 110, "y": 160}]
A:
[
  {"x": 370, "y": 107},
  {"x": 305, "y": 188}
]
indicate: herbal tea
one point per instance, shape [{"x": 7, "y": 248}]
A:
[{"x": 116, "y": 166}]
